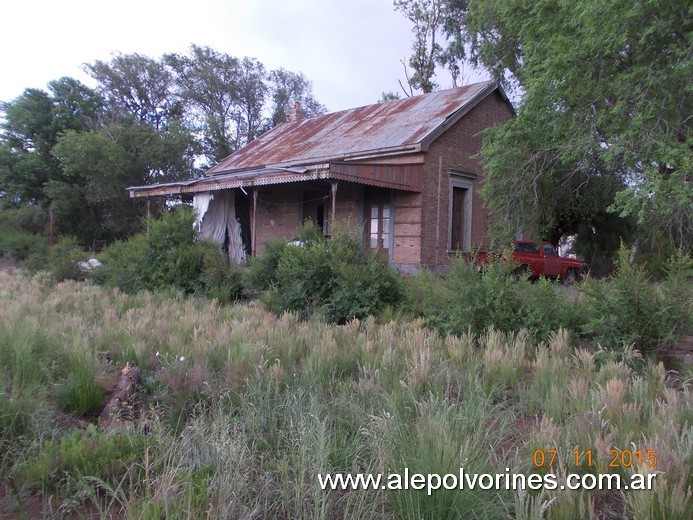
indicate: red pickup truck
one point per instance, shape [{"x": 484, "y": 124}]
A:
[{"x": 541, "y": 259}]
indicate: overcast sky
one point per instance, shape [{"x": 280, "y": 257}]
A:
[{"x": 349, "y": 49}]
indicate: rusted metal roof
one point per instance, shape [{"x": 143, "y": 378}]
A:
[
  {"x": 378, "y": 145},
  {"x": 400, "y": 177},
  {"x": 398, "y": 126}
]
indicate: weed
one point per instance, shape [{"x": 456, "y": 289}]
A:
[{"x": 240, "y": 409}]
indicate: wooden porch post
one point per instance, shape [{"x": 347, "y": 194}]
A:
[
  {"x": 253, "y": 239},
  {"x": 149, "y": 213},
  {"x": 334, "y": 205}
]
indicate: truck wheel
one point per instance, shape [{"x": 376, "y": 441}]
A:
[
  {"x": 522, "y": 272},
  {"x": 570, "y": 277}
]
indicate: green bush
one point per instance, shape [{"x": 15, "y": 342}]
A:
[
  {"x": 29, "y": 219},
  {"x": 20, "y": 245},
  {"x": 219, "y": 278},
  {"x": 168, "y": 256},
  {"x": 469, "y": 299},
  {"x": 90, "y": 452},
  {"x": 630, "y": 309},
  {"x": 80, "y": 394},
  {"x": 330, "y": 277},
  {"x": 262, "y": 270},
  {"x": 22, "y": 232},
  {"x": 60, "y": 261}
]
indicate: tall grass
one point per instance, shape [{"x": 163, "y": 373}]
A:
[{"x": 241, "y": 409}]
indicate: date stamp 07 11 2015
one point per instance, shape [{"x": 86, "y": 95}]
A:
[{"x": 585, "y": 458}]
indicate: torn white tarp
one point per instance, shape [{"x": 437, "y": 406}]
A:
[
  {"x": 201, "y": 203},
  {"x": 218, "y": 222}
]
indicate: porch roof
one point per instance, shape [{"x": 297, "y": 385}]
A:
[{"x": 400, "y": 177}]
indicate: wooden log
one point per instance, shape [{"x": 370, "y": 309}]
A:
[{"x": 128, "y": 382}]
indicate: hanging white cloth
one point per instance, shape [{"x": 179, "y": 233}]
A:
[
  {"x": 219, "y": 219},
  {"x": 201, "y": 203}
]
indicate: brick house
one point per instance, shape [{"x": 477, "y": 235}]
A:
[{"x": 404, "y": 172}]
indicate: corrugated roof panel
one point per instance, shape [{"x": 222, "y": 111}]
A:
[
  {"x": 402, "y": 177},
  {"x": 398, "y": 123}
]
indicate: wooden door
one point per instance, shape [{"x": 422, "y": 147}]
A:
[
  {"x": 457, "y": 223},
  {"x": 315, "y": 208}
]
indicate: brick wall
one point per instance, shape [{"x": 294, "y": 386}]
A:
[
  {"x": 278, "y": 213},
  {"x": 280, "y": 209},
  {"x": 407, "y": 214},
  {"x": 421, "y": 229},
  {"x": 457, "y": 147}
]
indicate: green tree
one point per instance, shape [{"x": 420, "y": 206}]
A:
[
  {"x": 223, "y": 97},
  {"x": 73, "y": 150},
  {"x": 287, "y": 88},
  {"x": 136, "y": 85},
  {"x": 607, "y": 95},
  {"x": 138, "y": 139},
  {"x": 101, "y": 163},
  {"x": 30, "y": 175},
  {"x": 28, "y": 134},
  {"x": 438, "y": 41},
  {"x": 603, "y": 123},
  {"x": 388, "y": 96}
]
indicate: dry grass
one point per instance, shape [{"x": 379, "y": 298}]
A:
[{"x": 241, "y": 409}]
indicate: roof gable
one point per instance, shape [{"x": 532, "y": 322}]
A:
[{"x": 398, "y": 126}]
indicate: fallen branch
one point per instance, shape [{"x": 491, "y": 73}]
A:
[{"x": 127, "y": 384}]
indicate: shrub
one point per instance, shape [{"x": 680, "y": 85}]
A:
[
  {"x": 630, "y": 309},
  {"x": 262, "y": 271},
  {"x": 20, "y": 245},
  {"x": 168, "y": 256},
  {"x": 80, "y": 394},
  {"x": 218, "y": 278},
  {"x": 106, "y": 456},
  {"x": 330, "y": 277},
  {"x": 677, "y": 290},
  {"x": 22, "y": 232},
  {"x": 60, "y": 261},
  {"x": 469, "y": 299}
]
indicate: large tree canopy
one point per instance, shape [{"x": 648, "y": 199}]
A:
[
  {"x": 607, "y": 101},
  {"x": 74, "y": 150},
  {"x": 602, "y": 131},
  {"x": 438, "y": 41},
  {"x": 136, "y": 85},
  {"x": 226, "y": 98},
  {"x": 29, "y": 172}
]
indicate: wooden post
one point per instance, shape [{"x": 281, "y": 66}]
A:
[
  {"x": 149, "y": 213},
  {"x": 334, "y": 205},
  {"x": 253, "y": 237}
]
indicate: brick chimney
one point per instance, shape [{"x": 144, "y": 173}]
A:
[{"x": 295, "y": 114}]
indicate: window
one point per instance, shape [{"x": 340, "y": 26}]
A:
[
  {"x": 549, "y": 250},
  {"x": 460, "y": 211},
  {"x": 526, "y": 247},
  {"x": 378, "y": 226}
]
